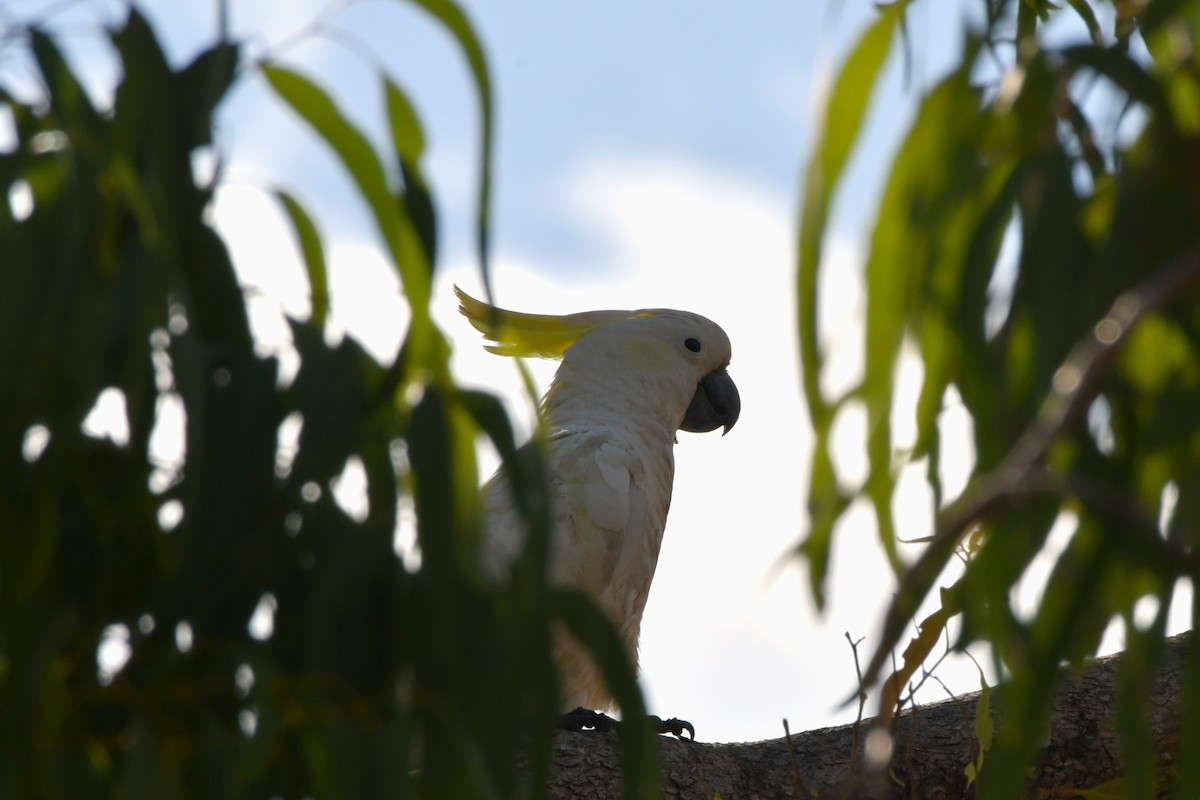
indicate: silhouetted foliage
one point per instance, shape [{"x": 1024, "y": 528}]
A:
[
  {"x": 1077, "y": 361},
  {"x": 274, "y": 643},
  {"x": 359, "y": 676}
]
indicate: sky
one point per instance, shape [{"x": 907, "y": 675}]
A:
[{"x": 646, "y": 155}]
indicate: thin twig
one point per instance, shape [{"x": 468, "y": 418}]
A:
[
  {"x": 862, "y": 701},
  {"x": 799, "y": 787}
]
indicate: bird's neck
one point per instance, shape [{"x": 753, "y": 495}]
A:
[{"x": 644, "y": 414}]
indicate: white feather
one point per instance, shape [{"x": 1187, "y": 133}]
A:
[{"x": 613, "y": 410}]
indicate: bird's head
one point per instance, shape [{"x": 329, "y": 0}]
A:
[{"x": 675, "y": 360}]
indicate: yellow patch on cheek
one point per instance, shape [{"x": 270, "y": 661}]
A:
[{"x": 646, "y": 352}]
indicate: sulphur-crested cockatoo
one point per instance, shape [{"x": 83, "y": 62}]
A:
[{"x": 628, "y": 381}]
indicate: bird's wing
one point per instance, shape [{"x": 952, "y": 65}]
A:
[
  {"x": 594, "y": 501},
  {"x": 594, "y": 482},
  {"x": 613, "y": 507},
  {"x": 608, "y": 509},
  {"x": 593, "y": 496},
  {"x": 609, "y": 501}
]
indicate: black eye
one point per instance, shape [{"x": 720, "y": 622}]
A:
[{"x": 692, "y": 344}]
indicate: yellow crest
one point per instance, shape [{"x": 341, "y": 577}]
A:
[{"x": 515, "y": 333}]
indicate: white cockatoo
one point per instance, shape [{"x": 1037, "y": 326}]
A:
[{"x": 628, "y": 381}]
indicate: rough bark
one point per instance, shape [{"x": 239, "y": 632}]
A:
[{"x": 933, "y": 745}]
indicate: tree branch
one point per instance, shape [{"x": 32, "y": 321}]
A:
[{"x": 933, "y": 746}]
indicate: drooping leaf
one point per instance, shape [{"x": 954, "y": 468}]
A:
[
  {"x": 409, "y": 142},
  {"x": 205, "y": 82},
  {"x": 984, "y": 731},
  {"x": 360, "y": 160},
  {"x": 314, "y": 255},
  {"x": 839, "y": 130},
  {"x": 929, "y": 632},
  {"x": 637, "y": 746},
  {"x": 1084, "y": 9},
  {"x": 929, "y": 175},
  {"x": 455, "y": 21}
]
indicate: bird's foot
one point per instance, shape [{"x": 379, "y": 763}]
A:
[
  {"x": 675, "y": 726},
  {"x": 582, "y": 719}
]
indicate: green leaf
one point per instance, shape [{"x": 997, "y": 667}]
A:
[
  {"x": 370, "y": 681},
  {"x": 313, "y": 253},
  {"x": 69, "y": 101},
  {"x": 455, "y": 21},
  {"x": 963, "y": 248},
  {"x": 231, "y": 424},
  {"x": 144, "y": 98},
  {"x": 1125, "y": 72},
  {"x": 1053, "y": 247},
  {"x": 929, "y": 633},
  {"x": 842, "y": 122},
  {"x": 826, "y": 504},
  {"x": 409, "y": 142},
  {"x": 204, "y": 82},
  {"x": 1158, "y": 351},
  {"x": 441, "y": 450},
  {"x": 524, "y": 466},
  {"x": 638, "y": 747},
  {"x": 361, "y": 161},
  {"x": 1189, "y": 714},
  {"x": 837, "y": 131},
  {"x": 407, "y": 136},
  {"x": 932, "y": 175},
  {"x": 1084, "y": 9},
  {"x": 985, "y": 727},
  {"x": 1109, "y": 790},
  {"x": 1134, "y": 709}
]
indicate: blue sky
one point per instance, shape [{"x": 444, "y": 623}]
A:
[{"x": 647, "y": 154}]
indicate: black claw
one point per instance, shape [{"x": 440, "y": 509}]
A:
[
  {"x": 582, "y": 719},
  {"x": 676, "y": 727}
]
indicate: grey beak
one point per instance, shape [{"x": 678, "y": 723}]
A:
[{"x": 715, "y": 404}]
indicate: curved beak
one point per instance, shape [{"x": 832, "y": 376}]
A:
[{"x": 715, "y": 404}]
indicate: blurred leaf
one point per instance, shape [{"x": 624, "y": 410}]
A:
[
  {"x": 838, "y": 132},
  {"x": 523, "y": 466},
  {"x": 984, "y": 726},
  {"x": 441, "y": 450},
  {"x": 1109, "y": 790},
  {"x": 361, "y": 161},
  {"x": 276, "y": 644},
  {"x": 313, "y": 253},
  {"x": 204, "y": 82},
  {"x": 409, "y": 142},
  {"x": 638, "y": 747},
  {"x": 407, "y": 136},
  {"x": 984, "y": 731},
  {"x": 451, "y": 16},
  {"x": 843, "y": 118},
  {"x": 1189, "y": 716},
  {"x": 1133, "y": 711},
  {"x": 1158, "y": 351},
  {"x": 935, "y": 168},
  {"x": 929, "y": 633},
  {"x": 1074, "y": 160},
  {"x": 1084, "y": 9},
  {"x": 69, "y": 102},
  {"x": 1123, "y": 71}
]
